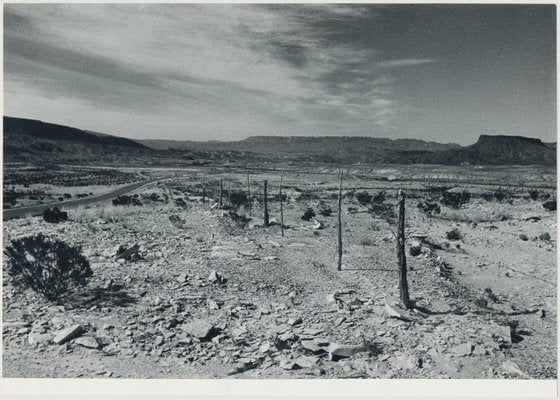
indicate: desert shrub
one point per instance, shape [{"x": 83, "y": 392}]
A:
[
  {"x": 383, "y": 211},
  {"x": 487, "y": 196},
  {"x": 67, "y": 196},
  {"x": 54, "y": 216},
  {"x": 429, "y": 208},
  {"x": 325, "y": 210},
  {"x": 308, "y": 196},
  {"x": 454, "y": 234},
  {"x": 176, "y": 221},
  {"x": 455, "y": 200},
  {"x": 523, "y": 237},
  {"x": 545, "y": 236},
  {"x": 126, "y": 201},
  {"x": 49, "y": 267},
  {"x": 364, "y": 198},
  {"x": 501, "y": 194},
  {"x": 550, "y": 205},
  {"x": 534, "y": 194},
  {"x": 380, "y": 197},
  {"x": 238, "y": 198},
  {"x": 308, "y": 214},
  {"x": 180, "y": 202}
]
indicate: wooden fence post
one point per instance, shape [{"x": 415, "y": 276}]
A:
[
  {"x": 339, "y": 267},
  {"x": 203, "y": 195},
  {"x": 403, "y": 284},
  {"x": 266, "y": 216},
  {"x": 221, "y": 191},
  {"x": 249, "y": 195},
  {"x": 229, "y": 192},
  {"x": 281, "y": 206}
]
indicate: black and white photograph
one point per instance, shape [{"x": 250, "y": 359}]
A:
[{"x": 309, "y": 191}]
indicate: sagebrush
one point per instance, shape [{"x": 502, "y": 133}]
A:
[{"x": 50, "y": 267}]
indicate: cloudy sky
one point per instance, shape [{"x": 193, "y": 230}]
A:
[{"x": 201, "y": 72}]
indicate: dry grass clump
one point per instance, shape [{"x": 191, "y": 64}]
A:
[
  {"x": 105, "y": 213},
  {"x": 475, "y": 216}
]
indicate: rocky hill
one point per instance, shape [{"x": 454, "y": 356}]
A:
[{"x": 33, "y": 140}]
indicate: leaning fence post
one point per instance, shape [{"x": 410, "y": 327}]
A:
[
  {"x": 281, "y": 206},
  {"x": 266, "y": 217},
  {"x": 403, "y": 284},
  {"x": 340, "y": 224}
]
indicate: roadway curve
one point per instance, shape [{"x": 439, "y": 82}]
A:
[{"x": 38, "y": 209}]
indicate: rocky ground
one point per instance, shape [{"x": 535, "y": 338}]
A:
[{"x": 206, "y": 297}]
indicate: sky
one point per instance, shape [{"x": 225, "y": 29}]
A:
[{"x": 445, "y": 73}]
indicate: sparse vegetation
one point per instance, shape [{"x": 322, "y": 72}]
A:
[
  {"x": 49, "y": 267},
  {"x": 429, "y": 208},
  {"x": 364, "y": 198},
  {"x": 366, "y": 242},
  {"x": 126, "y": 201},
  {"x": 106, "y": 213},
  {"x": 454, "y": 234}
]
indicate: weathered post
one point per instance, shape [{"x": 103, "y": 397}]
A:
[
  {"x": 281, "y": 207},
  {"x": 340, "y": 224},
  {"x": 266, "y": 216},
  {"x": 249, "y": 195},
  {"x": 403, "y": 284},
  {"x": 221, "y": 191},
  {"x": 203, "y": 195},
  {"x": 229, "y": 192}
]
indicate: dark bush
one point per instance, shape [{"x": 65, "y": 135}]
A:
[
  {"x": 550, "y": 205},
  {"x": 49, "y": 267},
  {"x": 454, "y": 234},
  {"x": 126, "y": 201},
  {"x": 67, "y": 196},
  {"x": 380, "y": 197},
  {"x": 455, "y": 200},
  {"x": 487, "y": 196},
  {"x": 325, "y": 210},
  {"x": 54, "y": 216},
  {"x": 534, "y": 194},
  {"x": 180, "y": 202},
  {"x": 364, "y": 198},
  {"x": 429, "y": 208},
  {"x": 308, "y": 214},
  {"x": 238, "y": 198},
  {"x": 545, "y": 236},
  {"x": 501, "y": 194}
]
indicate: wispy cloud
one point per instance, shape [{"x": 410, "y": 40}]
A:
[{"x": 203, "y": 70}]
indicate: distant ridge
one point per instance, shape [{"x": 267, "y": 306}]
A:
[{"x": 31, "y": 140}]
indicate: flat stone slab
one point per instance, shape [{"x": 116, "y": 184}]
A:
[{"x": 68, "y": 334}]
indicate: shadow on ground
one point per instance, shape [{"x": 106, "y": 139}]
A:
[{"x": 113, "y": 296}]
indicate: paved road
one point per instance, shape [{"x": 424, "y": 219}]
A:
[{"x": 37, "y": 210}]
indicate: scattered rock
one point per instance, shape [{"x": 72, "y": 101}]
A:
[
  {"x": 337, "y": 351},
  {"x": 216, "y": 277},
  {"x": 88, "y": 342},
  {"x": 464, "y": 349},
  {"x": 200, "y": 329},
  {"x": 512, "y": 368},
  {"x": 68, "y": 334},
  {"x": 295, "y": 321},
  {"x": 306, "y": 361},
  {"x": 313, "y": 347}
]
